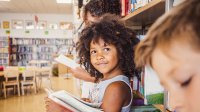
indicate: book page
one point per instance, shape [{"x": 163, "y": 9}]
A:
[
  {"x": 72, "y": 102},
  {"x": 95, "y": 105},
  {"x": 58, "y": 101},
  {"x": 66, "y": 61}
]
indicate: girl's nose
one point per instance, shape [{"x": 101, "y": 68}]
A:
[{"x": 100, "y": 56}]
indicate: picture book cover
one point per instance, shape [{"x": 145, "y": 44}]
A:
[{"x": 153, "y": 91}]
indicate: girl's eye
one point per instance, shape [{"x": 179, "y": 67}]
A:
[
  {"x": 106, "y": 49},
  {"x": 186, "y": 83},
  {"x": 92, "y": 52}
]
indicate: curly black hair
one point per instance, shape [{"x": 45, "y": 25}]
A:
[
  {"x": 112, "y": 32},
  {"x": 99, "y": 7}
]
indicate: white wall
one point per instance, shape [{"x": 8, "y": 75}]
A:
[{"x": 50, "y": 18}]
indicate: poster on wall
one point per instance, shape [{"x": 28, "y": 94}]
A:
[
  {"x": 7, "y": 32},
  {"x": 53, "y": 26},
  {"x": 66, "y": 25},
  {"x": 17, "y": 24},
  {"x": 6, "y": 24},
  {"x": 41, "y": 25},
  {"x": 46, "y": 32},
  {"x": 29, "y": 24}
]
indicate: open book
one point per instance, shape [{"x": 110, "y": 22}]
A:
[
  {"x": 66, "y": 61},
  {"x": 72, "y": 102}
]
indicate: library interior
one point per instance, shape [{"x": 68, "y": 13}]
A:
[{"x": 42, "y": 54}]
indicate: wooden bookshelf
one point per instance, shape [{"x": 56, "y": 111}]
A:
[{"x": 146, "y": 15}]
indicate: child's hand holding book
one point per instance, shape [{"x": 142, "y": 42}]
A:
[{"x": 52, "y": 106}]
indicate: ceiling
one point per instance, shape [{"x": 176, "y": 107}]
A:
[{"x": 35, "y": 6}]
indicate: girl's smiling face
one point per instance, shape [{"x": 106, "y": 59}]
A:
[{"x": 104, "y": 58}]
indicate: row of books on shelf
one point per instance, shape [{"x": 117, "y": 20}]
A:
[
  {"x": 4, "y": 61},
  {"x": 17, "y": 63},
  {"x": 3, "y": 38},
  {"x": 3, "y": 43},
  {"x": 128, "y": 6},
  {"x": 33, "y": 49},
  {"x": 35, "y": 41},
  {"x": 20, "y": 57},
  {"x": 3, "y": 49},
  {"x": 4, "y": 55},
  {"x": 23, "y": 59}
]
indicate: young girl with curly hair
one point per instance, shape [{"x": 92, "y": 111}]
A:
[
  {"x": 92, "y": 13},
  {"x": 106, "y": 53}
]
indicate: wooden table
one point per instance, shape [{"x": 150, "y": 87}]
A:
[{"x": 1, "y": 82}]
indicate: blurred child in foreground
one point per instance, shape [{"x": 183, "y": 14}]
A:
[{"x": 172, "y": 49}]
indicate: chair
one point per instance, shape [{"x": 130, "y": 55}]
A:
[
  {"x": 1, "y": 82},
  {"x": 11, "y": 75},
  {"x": 28, "y": 80},
  {"x": 45, "y": 72}
]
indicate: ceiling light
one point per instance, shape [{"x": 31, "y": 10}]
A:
[
  {"x": 64, "y": 1},
  {"x": 4, "y": 0}
]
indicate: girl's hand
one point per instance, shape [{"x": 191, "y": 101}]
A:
[
  {"x": 82, "y": 74},
  {"x": 86, "y": 99},
  {"x": 51, "y": 106}
]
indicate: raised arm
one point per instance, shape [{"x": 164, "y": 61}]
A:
[{"x": 82, "y": 74}]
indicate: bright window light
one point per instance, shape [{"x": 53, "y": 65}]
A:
[
  {"x": 64, "y": 1},
  {"x": 4, "y": 0}
]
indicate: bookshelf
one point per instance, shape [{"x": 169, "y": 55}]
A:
[
  {"x": 4, "y": 51},
  {"x": 24, "y": 50},
  {"x": 146, "y": 15}
]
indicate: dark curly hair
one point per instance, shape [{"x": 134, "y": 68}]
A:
[
  {"x": 99, "y": 7},
  {"x": 112, "y": 32}
]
